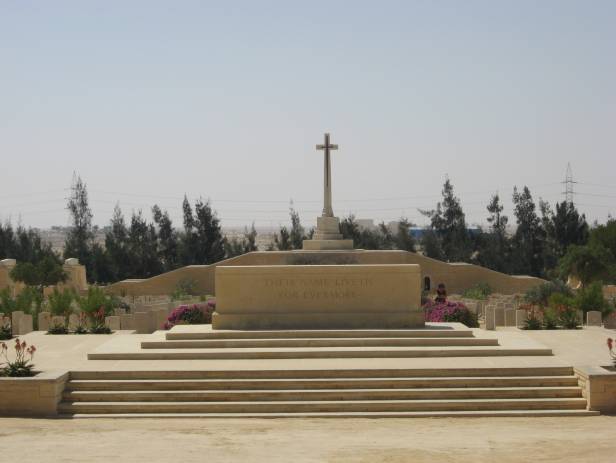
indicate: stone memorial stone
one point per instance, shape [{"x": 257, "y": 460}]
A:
[
  {"x": 160, "y": 317},
  {"x": 113, "y": 322},
  {"x": 490, "y": 318},
  {"x": 25, "y": 324},
  {"x": 127, "y": 321},
  {"x": 520, "y": 317},
  {"x": 510, "y": 319},
  {"x": 142, "y": 322},
  {"x": 593, "y": 318},
  {"x": 119, "y": 311},
  {"x": 15, "y": 317},
  {"x": 327, "y": 235},
  {"x": 318, "y": 297},
  {"x": 44, "y": 319},
  {"x": 580, "y": 317},
  {"x": 610, "y": 321},
  {"x": 499, "y": 316}
]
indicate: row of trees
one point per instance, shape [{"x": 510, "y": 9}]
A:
[
  {"x": 546, "y": 243},
  {"x": 542, "y": 236},
  {"x": 139, "y": 248}
]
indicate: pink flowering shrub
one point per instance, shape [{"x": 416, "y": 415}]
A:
[
  {"x": 195, "y": 314},
  {"x": 610, "y": 346},
  {"x": 450, "y": 312}
]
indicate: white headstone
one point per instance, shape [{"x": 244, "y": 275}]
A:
[
  {"x": 610, "y": 321},
  {"x": 593, "y": 318},
  {"x": 127, "y": 321},
  {"x": 25, "y": 324},
  {"x": 44, "y": 319},
  {"x": 490, "y": 318},
  {"x": 510, "y": 318},
  {"x": 113, "y": 322}
]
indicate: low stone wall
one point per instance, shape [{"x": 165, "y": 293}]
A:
[
  {"x": 35, "y": 396},
  {"x": 457, "y": 277},
  {"x": 598, "y": 387}
]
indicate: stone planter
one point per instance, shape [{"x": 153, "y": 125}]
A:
[
  {"x": 598, "y": 387},
  {"x": 37, "y": 395}
]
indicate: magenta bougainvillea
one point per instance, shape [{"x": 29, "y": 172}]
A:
[
  {"x": 450, "y": 312},
  {"x": 194, "y": 314}
]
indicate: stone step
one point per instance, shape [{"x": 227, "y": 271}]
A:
[
  {"x": 319, "y": 342},
  {"x": 323, "y": 406},
  {"x": 305, "y": 353},
  {"x": 180, "y": 333},
  {"x": 339, "y": 373},
  {"x": 323, "y": 395},
  {"x": 430, "y": 414},
  {"x": 319, "y": 383}
]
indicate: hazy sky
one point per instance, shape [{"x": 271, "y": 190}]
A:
[{"x": 149, "y": 100}]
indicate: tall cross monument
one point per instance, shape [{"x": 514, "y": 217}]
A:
[
  {"x": 327, "y": 176},
  {"x": 327, "y": 235}
]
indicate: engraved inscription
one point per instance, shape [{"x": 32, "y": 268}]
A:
[{"x": 317, "y": 288}]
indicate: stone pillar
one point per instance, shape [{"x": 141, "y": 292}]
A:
[
  {"x": 44, "y": 319},
  {"x": 593, "y": 318}
]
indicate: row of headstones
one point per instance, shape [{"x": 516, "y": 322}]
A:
[
  {"x": 517, "y": 317},
  {"x": 143, "y": 322}
]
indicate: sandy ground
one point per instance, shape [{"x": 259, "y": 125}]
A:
[{"x": 499, "y": 440}]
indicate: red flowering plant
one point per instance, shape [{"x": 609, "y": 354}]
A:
[
  {"x": 98, "y": 322},
  {"x": 610, "y": 346},
  {"x": 22, "y": 365},
  {"x": 195, "y": 314},
  {"x": 450, "y": 312},
  {"x": 82, "y": 323},
  {"x": 534, "y": 317}
]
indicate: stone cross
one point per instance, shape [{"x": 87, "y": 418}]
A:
[{"x": 327, "y": 182}]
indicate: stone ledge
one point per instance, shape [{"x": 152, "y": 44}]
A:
[
  {"x": 34, "y": 396},
  {"x": 599, "y": 387}
]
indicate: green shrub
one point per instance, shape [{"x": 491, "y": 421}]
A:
[
  {"x": 591, "y": 298},
  {"x": 532, "y": 322},
  {"x": 479, "y": 291},
  {"x": 550, "y": 319},
  {"x": 7, "y": 302},
  {"x": 568, "y": 318},
  {"x": 94, "y": 300},
  {"x": 5, "y": 330},
  {"x": 539, "y": 295},
  {"x": 60, "y": 302},
  {"x": 183, "y": 289}
]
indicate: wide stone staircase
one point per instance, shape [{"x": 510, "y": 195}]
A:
[
  {"x": 443, "y": 370},
  {"x": 227, "y": 345},
  {"x": 548, "y": 391}
]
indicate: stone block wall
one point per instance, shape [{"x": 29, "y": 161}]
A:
[{"x": 35, "y": 396}]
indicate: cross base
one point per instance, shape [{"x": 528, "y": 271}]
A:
[{"x": 327, "y": 236}]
